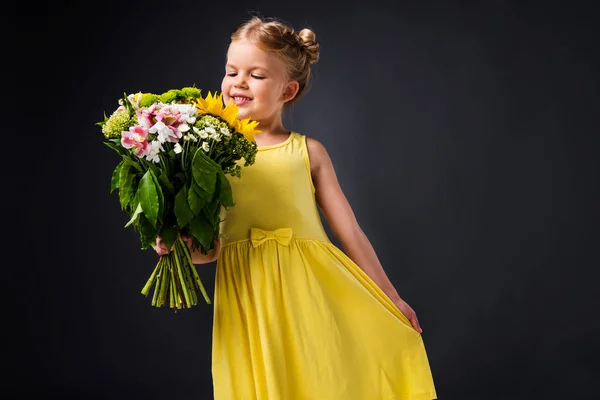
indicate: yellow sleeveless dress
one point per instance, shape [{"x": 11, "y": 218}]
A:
[{"x": 295, "y": 318}]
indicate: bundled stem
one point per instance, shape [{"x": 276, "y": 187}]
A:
[{"x": 175, "y": 279}]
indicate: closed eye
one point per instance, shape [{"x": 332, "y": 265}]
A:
[{"x": 254, "y": 76}]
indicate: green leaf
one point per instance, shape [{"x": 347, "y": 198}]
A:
[
  {"x": 165, "y": 182},
  {"x": 202, "y": 230},
  {"x": 205, "y": 180},
  {"x": 114, "y": 182},
  {"x": 127, "y": 159},
  {"x": 135, "y": 215},
  {"x": 168, "y": 235},
  {"x": 225, "y": 194},
  {"x": 195, "y": 201},
  {"x": 204, "y": 171},
  {"x": 210, "y": 207},
  {"x": 117, "y": 147},
  {"x": 203, "y": 162},
  {"x": 161, "y": 197},
  {"x": 183, "y": 212},
  {"x": 125, "y": 185},
  {"x": 148, "y": 196},
  {"x": 146, "y": 231}
]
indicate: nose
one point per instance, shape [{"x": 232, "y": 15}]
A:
[{"x": 240, "y": 81}]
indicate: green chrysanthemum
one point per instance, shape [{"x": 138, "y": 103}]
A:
[
  {"x": 148, "y": 99},
  {"x": 118, "y": 122},
  {"x": 191, "y": 92},
  {"x": 170, "y": 96}
]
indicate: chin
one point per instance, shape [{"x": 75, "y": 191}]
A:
[{"x": 243, "y": 113}]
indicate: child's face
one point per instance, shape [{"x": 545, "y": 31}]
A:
[{"x": 254, "y": 80}]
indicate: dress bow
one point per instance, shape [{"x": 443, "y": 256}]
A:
[{"x": 259, "y": 236}]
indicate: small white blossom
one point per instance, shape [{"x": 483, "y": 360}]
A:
[
  {"x": 187, "y": 109},
  {"x": 202, "y": 133},
  {"x": 210, "y": 130},
  {"x": 177, "y": 148},
  {"x": 155, "y": 149},
  {"x": 225, "y": 131},
  {"x": 190, "y": 137},
  {"x": 191, "y": 120},
  {"x": 183, "y": 127},
  {"x": 205, "y": 146},
  {"x": 216, "y": 137}
]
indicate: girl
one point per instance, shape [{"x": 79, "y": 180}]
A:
[{"x": 295, "y": 317}]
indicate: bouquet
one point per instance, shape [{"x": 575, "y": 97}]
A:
[{"x": 176, "y": 149}]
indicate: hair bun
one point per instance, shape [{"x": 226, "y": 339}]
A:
[{"x": 311, "y": 47}]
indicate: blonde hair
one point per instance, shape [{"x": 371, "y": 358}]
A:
[{"x": 298, "y": 50}]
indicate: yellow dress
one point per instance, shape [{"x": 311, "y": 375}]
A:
[{"x": 295, "y": 318}]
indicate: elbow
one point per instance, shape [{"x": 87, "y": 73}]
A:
[{"x": 350, "y": 236}]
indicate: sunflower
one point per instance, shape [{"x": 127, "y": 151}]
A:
[{"x": 213, "y": 104}]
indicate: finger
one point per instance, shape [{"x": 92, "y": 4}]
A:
[{"x": 416, "y": 324}]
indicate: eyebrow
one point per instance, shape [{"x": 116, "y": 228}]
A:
[{"x": 229, "y": 65}]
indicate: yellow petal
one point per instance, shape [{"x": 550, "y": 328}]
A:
[{"x": 213, "y": 104}]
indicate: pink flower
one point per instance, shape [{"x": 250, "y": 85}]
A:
[
  {"x": 136, "y": 138},
  {"x": 146, "y": 116}
]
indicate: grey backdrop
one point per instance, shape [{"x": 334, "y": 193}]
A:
[{"x": 465, "y": 137}]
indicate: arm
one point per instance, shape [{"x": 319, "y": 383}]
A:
[
  {"x": 199, "y": 258},
  {"x": 342, "y": 220}
]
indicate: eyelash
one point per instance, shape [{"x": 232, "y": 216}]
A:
[{"x": 254, "y": 76}]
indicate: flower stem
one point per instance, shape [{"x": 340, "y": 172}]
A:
[
  {"x": 196, "y": 276},
  {"x": 148, "y": 284},
  {"x": 184, "y": 288}
]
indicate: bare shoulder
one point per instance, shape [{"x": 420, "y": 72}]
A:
[{"x": 316, "y": 151}]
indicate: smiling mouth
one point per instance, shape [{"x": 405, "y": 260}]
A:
[{"x": 240, "y": 100}]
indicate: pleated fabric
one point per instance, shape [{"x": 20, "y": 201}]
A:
[{"x": 295, "y": 318}]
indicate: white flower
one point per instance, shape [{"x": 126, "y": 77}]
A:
[
  {"x": 190, "y": 137},
  {"x": 163, "y": 132},
  {"x": 177, "y": 148},
  {"x": 191, "y": 120},
  {"x": 210, "y": 129},
  {"x": 201, "y": 132},
  {"x": 187, "y": 109},
  {"x": 155, "y": 149},
  {"x": 205, "y": 146},
  {"x": 225, "y": 131},
  {"x": 183, "y": 127},
  {"x": 216, "y": 137},
  {"x": 134, "y": 99}
]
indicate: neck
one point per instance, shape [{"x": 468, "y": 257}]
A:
[{"x": 272, "y": 126}]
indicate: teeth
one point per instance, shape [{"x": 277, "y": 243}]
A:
[{"x": 240, "y": 98}]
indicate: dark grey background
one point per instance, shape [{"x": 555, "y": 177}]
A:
[{"x": 465, "y": 136}]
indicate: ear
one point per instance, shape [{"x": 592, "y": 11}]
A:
[{"x": 291, "y": 90}]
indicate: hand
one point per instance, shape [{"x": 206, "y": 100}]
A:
[
  {"x": 161, "y": 249},
  {"x": 409, "y": 313}
]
